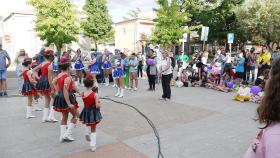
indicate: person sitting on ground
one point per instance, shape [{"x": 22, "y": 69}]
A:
[
  {"x": 260, "y": 81},
  {"x": 243, "y": 94},
  {"x": 184, "y": 78}
]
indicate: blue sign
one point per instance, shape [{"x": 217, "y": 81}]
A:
[{"x": 230, "y": 37}]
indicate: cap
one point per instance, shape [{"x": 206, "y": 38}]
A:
[
  {"x": 50, "y": 52},
  {"x": 64, "y": 60},
  {"x": 89, "y": 76}
]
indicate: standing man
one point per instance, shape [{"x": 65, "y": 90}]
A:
[
  {"x": 251, "y": 65},
  {"x": 182, "y": 60},
  {"x": 3, "y": 70}
]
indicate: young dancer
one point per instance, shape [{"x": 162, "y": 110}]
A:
[
  {"x": 79, "y": 66},
  {"x": 90, "y": 116},
  {"x": 133, "y": 66},
  {"x": 106, "y": 68},
  {"x": 44, "y": 85},
  {"x": 94, "y": 69},
  {"x": 28, "y": 88},
  {"x": 119, "y": 74},
  {"x": 64, "y": 101}
]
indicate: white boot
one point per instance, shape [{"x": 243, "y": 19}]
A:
[
  {"x": 29, "y": 112},
  {"x": 51, "y": 117},
  {"x": 93, "y": 142},
  {"x": 87, "y": 133},
  {"x": 119, "y": 92},
  {"x": 36, "y": 108},
  {"x": 45, "y": 115},
  {"x": 107, "y": 82},
  {"x": 63, "y": 129},
  {"x": 68, "y": 134}
]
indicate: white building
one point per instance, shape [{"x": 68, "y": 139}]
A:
[{"x": 17, "y": 32}]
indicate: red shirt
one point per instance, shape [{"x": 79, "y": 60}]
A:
[
  {"x": 89, "y": 100},
  {"x": 45, "y": 69},
  {"x": 60, "y": 82}
]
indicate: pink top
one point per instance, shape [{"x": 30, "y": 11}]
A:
[{"x": 266, "y": 144}]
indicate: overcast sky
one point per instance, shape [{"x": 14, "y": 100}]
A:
[{"x": 117, "y": 8}]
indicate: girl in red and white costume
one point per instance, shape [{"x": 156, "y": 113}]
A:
[
  {"x": 64, "y": 101},
  {"x": 90, "y": 116},
  {"x": 28, "y": 88},
  {"x": 44, "y": 85}
]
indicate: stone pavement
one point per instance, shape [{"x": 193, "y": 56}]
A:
[{"x": 197, "y": 123}]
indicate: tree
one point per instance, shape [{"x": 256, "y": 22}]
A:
[
  {"x": 218, "y": 15},
  {"x": 260, "y": 20},
  {"x": 56, "y": 22},
  {"x": 170, "y": 23},
  {"x": 98, "y": 24},
  {"x": 133, "y": 14}
]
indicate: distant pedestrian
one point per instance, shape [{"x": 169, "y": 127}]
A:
[
  {"x": 166, "y": 75},
  {"x": 251, "y": 65},
  {"x": 140, "y": 65},
  {"x": 133, "y": 65},
  {"x": 4, "y": 56},
  {"x": 266, "y": 144},
  {"x": 153, "y": 72},
  {"x": 239, "y": 69},
  {"x": 19, "y": 67},
  {"x": 90, "y": 115}
]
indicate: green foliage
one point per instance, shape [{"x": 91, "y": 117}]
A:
[
  {"x": 133, "y": 14},
  {"x": 170, "y": 24},
  {"x": 56, "y": 21},
  {"x": 98, "y": 24},
  {"x": 260, "y": 20},
  {"x": 218, "y": 15}
]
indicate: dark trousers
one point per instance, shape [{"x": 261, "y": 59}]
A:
[
  {"x": 152, "y": 82},
  {"x": 166, "y": 86},
  {"x": 140, "y": 70}
]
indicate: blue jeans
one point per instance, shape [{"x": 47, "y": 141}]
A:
[{"x": 250, "y": 70}]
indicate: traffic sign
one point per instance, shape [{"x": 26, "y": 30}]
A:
[
  {"x": 230, "y": 37},
  {"x": 204, "y": 33}
]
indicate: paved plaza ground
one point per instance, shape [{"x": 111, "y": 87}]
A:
[{"x": 197, "y": 123}]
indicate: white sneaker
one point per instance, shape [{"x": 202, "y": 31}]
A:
[
  {"x": 114, "y": 86},
  {"x": 135, "y": 89},
  {"x": 121, "y": 93},
  {"x": 28, "y": 116},
  {"x": 68, "y": 134},
  {"x": 129, "y": 88},
  {"x": 118, "y": 93},
  {"x": 93, "y": 149}
]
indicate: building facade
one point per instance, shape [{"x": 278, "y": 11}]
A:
[{"x": 133, "y": 34}]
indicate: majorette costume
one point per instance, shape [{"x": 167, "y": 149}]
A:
[
  {"x": 60, "y": 104},
  {"x": 107, "y": 64},
  {"x": 94, "y": 69},
  {"x": 118, "y": 71},
  {"x": 90, "y": 115},
  {"x": 43, "y": 85},
  {"x": 79, "y": 64},
  {"x": 27, "y": 88}
]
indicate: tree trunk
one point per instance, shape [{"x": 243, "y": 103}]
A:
[
  {"x": 95, "y": 44},
  {"x": 58, "y": 48}
]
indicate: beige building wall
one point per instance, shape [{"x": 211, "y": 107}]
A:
[{"x": 132, "y": 34}]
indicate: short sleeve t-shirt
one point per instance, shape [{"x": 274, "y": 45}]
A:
[
  {"x": 240, "y": 65},
  {"x": 3, "y": 62},
  {"x": 133, "y": 68}
]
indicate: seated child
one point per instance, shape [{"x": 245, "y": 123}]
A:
[
  {"x": 184, "y": 78},
  {"x": 243, "y": 94},
  {"x": 195, "y": 80},
  {"x": 257, "y": 98}
]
